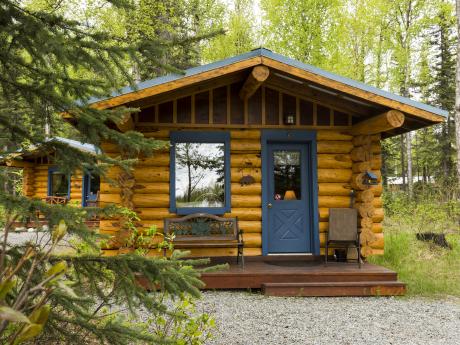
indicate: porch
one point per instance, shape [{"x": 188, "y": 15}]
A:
[{"x": 304, "y": 276}]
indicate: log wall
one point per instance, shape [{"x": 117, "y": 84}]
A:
[
  {"x": 336, "y": 153},
  {"x": 35, "y": 183}
]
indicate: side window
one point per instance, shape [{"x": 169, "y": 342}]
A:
[
  {"x": 200, "y": 172},
  {"x": 58, "y": 183},
  {"x": 91, "y": 186}
]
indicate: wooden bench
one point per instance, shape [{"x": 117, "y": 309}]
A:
[{"x": 201, "y": 230}]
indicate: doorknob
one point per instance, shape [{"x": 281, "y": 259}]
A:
[{"x": 269, "y": 205}]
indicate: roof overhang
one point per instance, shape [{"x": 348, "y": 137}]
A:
[{"x": 418, "y": 114}]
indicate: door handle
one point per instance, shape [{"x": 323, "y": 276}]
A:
[{"x": 269, "y": 205}]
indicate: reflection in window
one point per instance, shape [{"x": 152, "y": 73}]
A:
[
  {"x": 286, "y": 171},
  {"x": 200, "y": 180},
  {"x": 58, "y": 184}
]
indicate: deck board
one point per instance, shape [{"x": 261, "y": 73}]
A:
[{"x": 261, "y": 271}]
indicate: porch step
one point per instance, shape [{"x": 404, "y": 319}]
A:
[{"x": 330, "y": 289}]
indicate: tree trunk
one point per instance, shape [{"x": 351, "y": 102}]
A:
[
  {"x": 457, "y": 94},
  {"x": 403, "y": 165},
  {"x": 409, "y": 163}
]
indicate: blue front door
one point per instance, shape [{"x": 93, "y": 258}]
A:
[{"x": 288, "y": 197}]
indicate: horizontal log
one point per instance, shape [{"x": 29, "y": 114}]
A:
[
  {"x": 333, "y": 201},
  {"x": 204, "y": 252},
  {"x": 250, "y": 226},
  {"x": 106, "y": 187},
  {"x": 39, "y": 179},
  {"x": 41, "y": 189},
  {"x": 323, "y": 226},
  {"x": 241, "y": 201},
  {"x": 238, "y": 173},
  {"x": 334, "y": 175},
  {"x": 146, "y": 224},
  {"x": 251, "y": 134},
  {"x": 341, "y": 189},
  {"x": 162, "y": 134},
  {"x": 151, "y": 174},
  {"x": 323, "y": 214},
  {"x": 145, "y": 213},
  {"x": 76, "y": 195},
  {"x": 252, "y": 240},
  {"x": 378, "y": 251},
  {"x": 110, "y": 199},
  {"x": 326, "y": 134},
  {"x": 245, "y": 160},
  {"x": 211, "y": 252},
  {"x": 151, "y": 200},
  {"x": 151, "y": 188},
  {"x": 245, "y": 145},
  {"x": 380, "y": 123},
  {"x": 245, "y": 213},
  {"x": 157, "y": 159},
  {"x": 334, "y": 161},
  {"x": 250, "y": 189},
  {"x": 334, "y": 146},
  {"x": 108, "y": 147}
]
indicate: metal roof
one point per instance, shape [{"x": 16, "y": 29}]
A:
[
  {"x": 89, "y": 148},
  {"x": 263, "y": 52}
]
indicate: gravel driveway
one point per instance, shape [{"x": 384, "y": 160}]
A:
[{"x": 245, "y": 318}]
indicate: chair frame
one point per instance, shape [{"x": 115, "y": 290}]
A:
[{"x": 356, "y": 243}]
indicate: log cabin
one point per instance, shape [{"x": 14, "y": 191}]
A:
[{"x": 258, "y": 136}]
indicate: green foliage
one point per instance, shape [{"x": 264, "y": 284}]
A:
[
  {"x": 427, "y": 211},
  {"x": 239, "y": 36},
  {"x": 427, "y": 269},
  {"x": 187, "y": 326},
  {"x": 56, "y": 56}
]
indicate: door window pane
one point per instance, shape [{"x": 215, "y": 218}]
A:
[
  {"x": 200, "y": 170},
  {"x": 287, "y": 175}
]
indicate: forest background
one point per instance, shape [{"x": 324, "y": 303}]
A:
[{"x": 408, "y": 47}]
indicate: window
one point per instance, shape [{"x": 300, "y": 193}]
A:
[
  {"x": 91, "y": 186},
  {"x": 58, "y": 183},
  {"x": 200, "y": 172},
  {"x": 287, "y": 175}
]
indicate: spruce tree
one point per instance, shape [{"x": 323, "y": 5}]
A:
[{"x": 50, "y": 68}]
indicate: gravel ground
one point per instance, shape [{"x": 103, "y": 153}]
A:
[
  {"x": 18, "y": 238},
  {"x": 245, "y": 318}
]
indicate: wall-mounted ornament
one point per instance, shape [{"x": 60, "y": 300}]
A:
[{"x": 247, "y": 180}]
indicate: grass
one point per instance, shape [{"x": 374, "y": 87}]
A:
[{"x": 427, "y": 269}]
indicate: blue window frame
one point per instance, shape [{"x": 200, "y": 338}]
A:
[
  {"x": 58, "y": 183},
  {"x": 200, "y": 172}
]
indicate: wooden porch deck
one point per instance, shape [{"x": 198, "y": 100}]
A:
[{"x": 304, "y": 276}]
